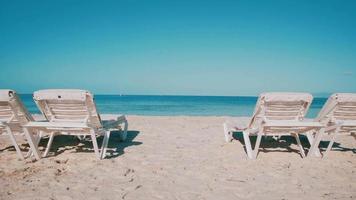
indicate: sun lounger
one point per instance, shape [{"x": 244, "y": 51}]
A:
[
  {"x": 13, "y": 116},
  {"x": 276, "y": 114},
  {"x": 338, "y": 115},
  {"x": 73, "y": 112}
]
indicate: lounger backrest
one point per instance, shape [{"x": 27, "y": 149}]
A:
[
  {"x": 11, "y": 108},
  {"x": 281, "y": 106},
  {"x": 339, "y": 107},
  {"x": 64, "y": 105}
]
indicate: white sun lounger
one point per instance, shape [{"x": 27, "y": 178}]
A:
[
  {"x": 13, "y": 116},
  {"x": 73, "y": 112},
  {"x": 276, "y": 114},
  {"x": 339, "y": 117}
]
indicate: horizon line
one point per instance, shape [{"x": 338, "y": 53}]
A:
[{"x": 183, "y": 95}]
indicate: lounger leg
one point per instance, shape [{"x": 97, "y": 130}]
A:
[
  {"x": 328, "y": 149},
  {"x": 13, "y": 140},
  {"x": 95, "y": 143},
  {"x": 315, "y": 146},
  {"x": 123, "y": 135},
  {"x": 311, "y": 140},
  {"x": 227, "y": 133},
  {"x": 105, "y": 144},
  {"x": 333, "y": 137},
  {"x": 49, "y": 144},
  {"x": 248, "y": 144},
  {"x": 296, "y": 136},
  {"x": 257, "y": 145},
  {"x": 36, "y": 141},
  {"x": 81, "y": 137},
  {"x": 30, "y": 141}
]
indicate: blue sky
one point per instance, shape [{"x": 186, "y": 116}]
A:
[{"x": 182, "y": 47}]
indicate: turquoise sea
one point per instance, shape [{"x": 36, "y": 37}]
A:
[{"x": 156, "y": 105}]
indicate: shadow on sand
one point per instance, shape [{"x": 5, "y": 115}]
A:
[
  {"x": 283, "y": 144},
  {"x": 62, "y": 143}
]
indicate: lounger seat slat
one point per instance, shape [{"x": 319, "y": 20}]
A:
[
  {"x": 5, "y": 108},
  {"x": 280, "y": 117},
  {"x": 284, "y": 113},
  {"x": 283, "y": 109},
  {"x": 346, "y": 107},
  {"x": 70, "y": 113},
  {"x": 344, "y": 118},
  {"x": 344, "y": 112},
  {"x": 292, "y": 123},
  {"x": 6, "y": 113},
  {"x": 57, "y": 124},
  {"x": 282, "y": 102},
  {"x": 4, "y": 104},
  {"x": 61, "y": 102},
  {"x": 71, "y": 107},
  {"x": 71, "y": 117},
  {"x": 351, "y": 104},
  {"x": 6, "y": 118},
  {"x": 69, "y": 110}
]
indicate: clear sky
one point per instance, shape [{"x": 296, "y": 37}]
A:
[{"x": 183, "y": 47}]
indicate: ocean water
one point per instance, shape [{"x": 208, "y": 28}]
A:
[{"x": 154, "y": 105}]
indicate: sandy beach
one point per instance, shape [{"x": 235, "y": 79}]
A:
[{"x": 178, "y": 158}]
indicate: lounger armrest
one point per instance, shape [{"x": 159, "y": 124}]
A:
[
  {"x": 237, "y": 123},
  {"x": 113, "y": 121},
  {"x": 56, "y": 125},
  {"x": 39, "y": 117},
  {"x": 109, "y": 117},
  {"x": 121, "y": 119},
  {"x": 333, "y": 127},
  {"x": 291, "y": 123}
]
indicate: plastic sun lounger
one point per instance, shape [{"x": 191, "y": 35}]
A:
[
  {"x": 73, "y": 112},
  {"x": 276, "y": 114},
  {"x": 13, "y": 117},
  {"x": 339, "y": 117}
]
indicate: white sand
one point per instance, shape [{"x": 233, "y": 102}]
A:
[{"x": 179, "y": 158}]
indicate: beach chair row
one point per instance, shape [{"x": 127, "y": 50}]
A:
[
  {"x": 67, "y": 112},
  {"x": 73, "y": 112},
  {"x": 283, "y": 114}
]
